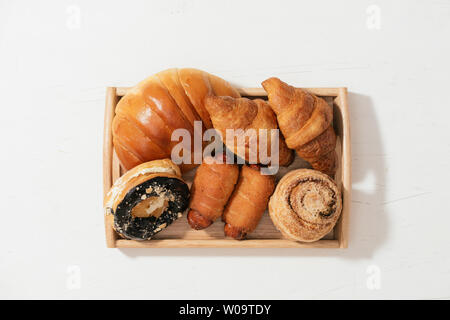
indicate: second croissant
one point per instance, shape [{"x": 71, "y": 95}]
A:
[
  {"x": 306, "y": 122},
  {"x": 255, "y": 119}
]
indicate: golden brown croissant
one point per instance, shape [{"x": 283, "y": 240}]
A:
[
  {"x": 148, "y": 114},
  {"x": 248, "y": 202},
  {"x": 212, "y": 187},
  {"x": 306, "y": 122},
  {"x": 242, "y": 113},
  {"x": 305, "y": 205}
]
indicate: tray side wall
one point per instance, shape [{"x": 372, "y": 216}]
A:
[
  {"x": 110, "y": 106},
  {"x": 341, "y": 229}
]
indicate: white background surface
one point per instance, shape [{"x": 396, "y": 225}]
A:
[{"x": 53, "y": 74}]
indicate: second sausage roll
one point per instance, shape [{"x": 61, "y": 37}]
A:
[
  {"x": 213, "y": 184},
  {"x": 248, "y": 202}
]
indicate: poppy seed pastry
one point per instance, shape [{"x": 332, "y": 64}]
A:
[
  {"x": 147, "y": 199},
  {"x": 306, "y": 205}
]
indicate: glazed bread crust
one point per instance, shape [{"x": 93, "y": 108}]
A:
[{"x": 148, "y": 114}]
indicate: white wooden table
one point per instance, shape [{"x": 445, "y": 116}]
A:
[{"x": 57, "y": 57}]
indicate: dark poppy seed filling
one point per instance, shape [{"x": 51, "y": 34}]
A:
[{"x": 176, "y": 198}]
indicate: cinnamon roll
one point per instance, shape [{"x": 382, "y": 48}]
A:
[{"x": 306, "y": 205}]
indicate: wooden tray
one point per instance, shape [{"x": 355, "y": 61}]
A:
[{"x": 180, "y": 235}]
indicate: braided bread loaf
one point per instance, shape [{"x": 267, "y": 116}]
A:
[{"x": 148, "y": 114}]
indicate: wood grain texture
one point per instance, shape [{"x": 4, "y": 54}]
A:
[
  {"x": 224, "y": 243},
  {"x": 346, "y": 165},
  {"x": 110, "y": 162},
  {"x": 180, "y": 234}
]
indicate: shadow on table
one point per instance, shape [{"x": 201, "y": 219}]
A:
[{"x": 368, "y": 219}]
